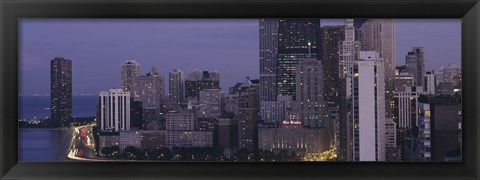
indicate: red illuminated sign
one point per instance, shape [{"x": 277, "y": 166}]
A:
[{"x": 292, "y": 122}]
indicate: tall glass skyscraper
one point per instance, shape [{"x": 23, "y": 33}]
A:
[{"x": 61, "y": 91}]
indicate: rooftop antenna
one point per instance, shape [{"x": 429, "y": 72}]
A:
[{"x": 309, "y": 47}]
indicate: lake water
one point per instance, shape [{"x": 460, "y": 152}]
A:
[
  {"x": 39, "y": 106},
  {"x": 43, "y": 144}
]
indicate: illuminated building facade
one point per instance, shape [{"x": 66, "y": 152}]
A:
[
  {"x": 368, "y": 100},
  {"x": 61, "y": 91},
  {"x": 114, "y": 110}
]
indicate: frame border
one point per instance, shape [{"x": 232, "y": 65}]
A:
[{"x": 12, "y": 10}]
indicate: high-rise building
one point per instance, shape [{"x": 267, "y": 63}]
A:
[
  {"x": 130, "y": 70},
  {"x": 415, "y": 62},
  {"x": 407, "y": 101},
  {"x": 180, "y": 121},
  {"x": 268, "y": 62},
  {"x": 368, "y": 100},
  {"x": 445, "y": 126},
  {"x": 332, "y": 40},
  {"x": 430, "y": 82},
  {"x": 176, "y": 86},
  {"x": 114, "y": 110},
  {"x": 198, "y": 81},
  {"x": 310, "y": 97},
  {"x": 247, "y": 117},
  {"x": 210, "y": 103},
  {"x": 379, "y": 35},
  {"x": 60, "y": 91},
  {"x": 294, "y": 37},
  {"x": 348, "y": 54},
  {"x": 447, "y": 74},
  {"x": 274, "y": 111},
  {"x": 149, "y": 89}
]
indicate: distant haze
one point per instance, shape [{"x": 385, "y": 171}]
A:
[{"x": 231, "y": 46}]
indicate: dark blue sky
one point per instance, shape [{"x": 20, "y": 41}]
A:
[{"x": 99, "y": 47}]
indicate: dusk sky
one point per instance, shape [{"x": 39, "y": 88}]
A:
[{"x": 231, "y": 46}]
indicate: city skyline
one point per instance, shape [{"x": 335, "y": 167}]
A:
[{"x": 235, "y": 43}]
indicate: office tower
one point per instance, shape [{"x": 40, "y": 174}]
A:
[
  {"x": 210, "y": 103},
  {"x": 268, "y": 62},
  {"x": 247, "y": 117},
  {"x": 130, "y": 70},
  {"x": 293, "y": 137},
  {"x": 445, "y": 126},
  {"x": 180, "y": 120},
  {"x": 415, "y": 63},
  {"x": 136, "y": 115},
  {"x": 430, "y": 82},
  {"x": 226, "y": 133},
  {"x": 176, "y": 86},
  {"x": 444, "y": 89},
  {"x": 294, "y": 35},
  {"x": 268, "y": 67},
  {"x": 198, "y": 80},
  {"x": 452, "y": 74},
  {"x": 392, "y": 152},
  {"x": 332, "y": 39},
  {"x": 310, "y": 98},
  {"x": 149, "y": 89},
  {"x": 231, "y": 103},
  {"x": 402, "y": 80},
  {"x": 274, "y": 111},
  {"x": 114, "y": 110},
  {"x": 348, "y": 53},
  {"x": 60, "y": 91},
  {"x": 368, "y": 101},
  {"x": 407, "y": 101},
  {"x": 379, "y": 35}
]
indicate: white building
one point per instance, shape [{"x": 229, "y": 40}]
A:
[
  {"x": 430, "y": 83},
  {"x": 407, "y": 106},
  {"x": 114, "y": 110},
  {"x": 368, "y": 96}
]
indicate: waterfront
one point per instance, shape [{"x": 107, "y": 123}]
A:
[{"x": 38, "y": 107}]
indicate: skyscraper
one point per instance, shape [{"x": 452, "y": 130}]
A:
[
  {"x": 379, "y": 35},
  {"x": 176, "y": 86},
  {"x": 114, "y": 110},
  {"x": 149, "y": 89},
  {"x": 368, "y": 100},
  {"x": 247, "y": 117},
  {"x": 294, "y": 37},
  {"x": 210, "y": 105},
  {"x": 332, "y": 39},
  {"x": 130, "y": 70},
  {"x": 430, "y": 82},
  {"x": 282, "y": 43},
  {"x": 198, "y": 80},
  {"x": 415, "y": 62},
  {"x": 310, "y": 98},
  {"x": 348, "y": 54},
  {"x": 60, "y": 91},
  {"x": 268, "y": 61}
]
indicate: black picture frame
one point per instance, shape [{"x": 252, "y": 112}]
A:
[{"x": 12, "y": 10}]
